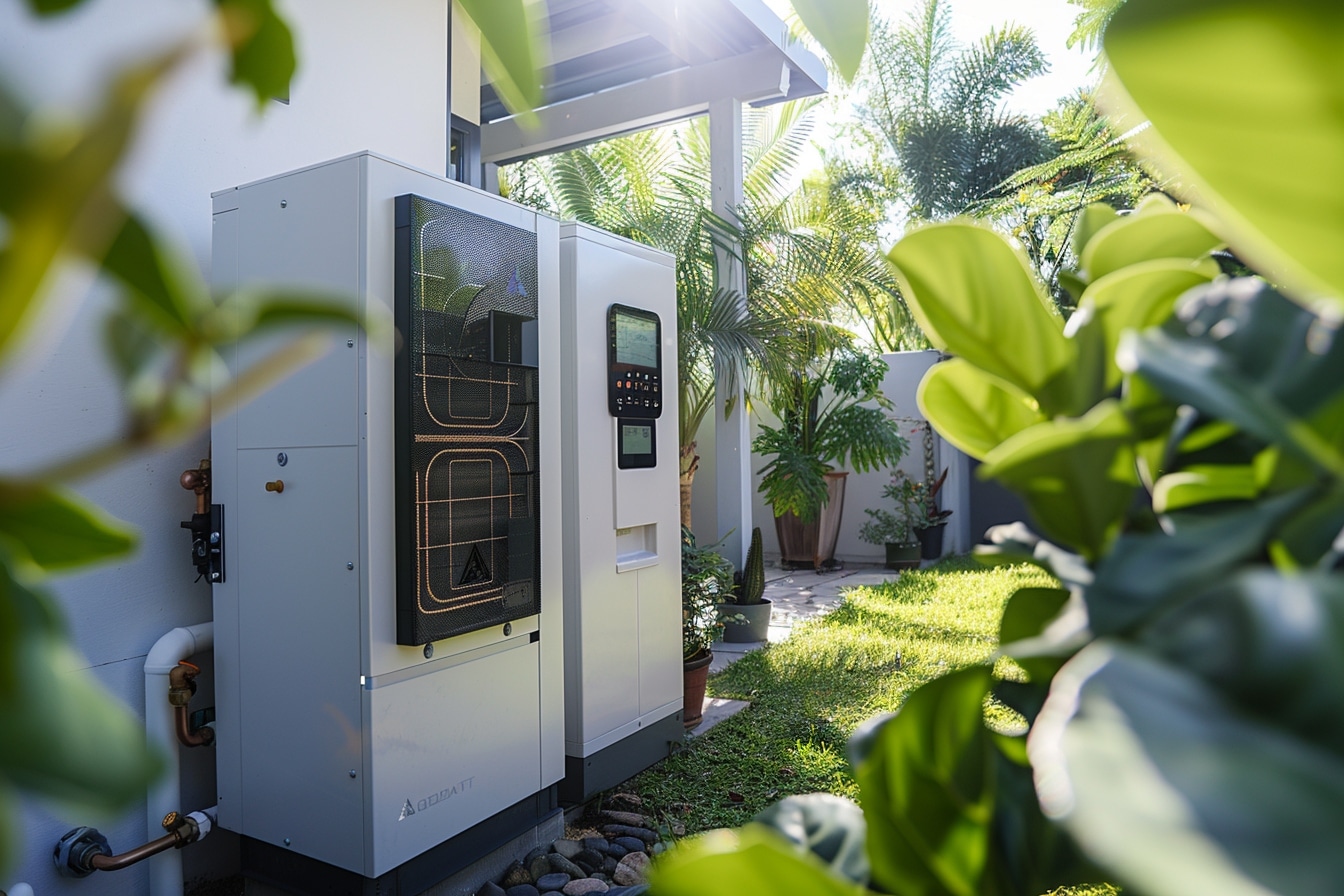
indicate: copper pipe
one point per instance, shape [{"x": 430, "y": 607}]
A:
[
  {"x": 140, "y": 853},
  {"x": 198, "y": 481},
  {"x": 181, "y": 685}
]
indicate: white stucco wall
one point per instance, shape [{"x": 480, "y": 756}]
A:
[
  {"x": 862, "y": 490},
  {"x": 372, "y": 76}
]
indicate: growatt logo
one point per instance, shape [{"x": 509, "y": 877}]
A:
[{"x": 434, "y": 799}]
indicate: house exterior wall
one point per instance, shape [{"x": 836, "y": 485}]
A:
[{"x": 372, "y": 76}]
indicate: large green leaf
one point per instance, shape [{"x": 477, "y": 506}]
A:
[
  {"x": 830, "y": 827},
  {"x": 971, "y": 409},
  {"x": 1248, "y": 356},
  {"x": 1077, "y": 476},
  {"x": 164, "y": 289},
  {"x": 1090, "y": 222},
  {"x": 1038, "y": 633},
  {"x": 66, "y": 738},
  {"x": 927, "y": 777},
  {"x": 1144, "y": 571},
  {"x": 1174, "y": 792},
  {"x": 1146, "y": 236},
  {"x": 54, "y": 529},
  {"x": 975, "y": 296},
  {"x": 1139, "y": 296},
  {"x": 1274, "y": 643},
  {"x": 756, "y": 859},
  {"x": 1028, "y": 612},
  {"x": 261, "y": 45},
  {"x": 840, "y": 26},
  {"x": 1204, "y": 484},
  {"x": 1263, "y": 78},
  {"x": 510, "y": 51}
]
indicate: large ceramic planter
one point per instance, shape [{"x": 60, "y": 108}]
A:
[
  {"x": 931, "y": 541},
  {"x": 903, "y": 556},
  {"x": 753, "y": 624},
  {"x": 813, "y": 544},
  {"x": 694, "y": 675}
]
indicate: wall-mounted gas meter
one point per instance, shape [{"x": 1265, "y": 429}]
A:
[{"x": 634, "y": 383}]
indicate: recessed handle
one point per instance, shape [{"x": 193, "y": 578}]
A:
[{"x": 277, "y": 486}]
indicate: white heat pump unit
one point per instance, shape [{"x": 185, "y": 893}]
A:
[
  {"x": 622, "y": 516},
  {"x": 388, "y": 617}
]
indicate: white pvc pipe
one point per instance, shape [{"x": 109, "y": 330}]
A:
[{"x": 165, "y": 869}]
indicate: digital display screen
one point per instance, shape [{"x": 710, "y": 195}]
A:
[
  {"x": 636, "y": 439},
  {"x": 636, "y": 340}
]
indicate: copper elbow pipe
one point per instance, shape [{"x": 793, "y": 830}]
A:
[
  {"x": 198, "y": 481},
  {"x": 140, "y": 853},
  {"x": 181, "y": 685},
  {"x": 182, "y": 831}
]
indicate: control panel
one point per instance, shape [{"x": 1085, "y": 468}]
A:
[{"x": 634, "y": 362}]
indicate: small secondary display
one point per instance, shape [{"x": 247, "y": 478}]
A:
[{"x": 635, "y": 444}]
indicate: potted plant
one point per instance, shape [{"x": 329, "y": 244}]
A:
[
  {"x": 896, "y": 530},
  {"x": 831, "y": 414},
  {"x": 932, "y": 522},
  {"x": 706, "y": 580},
  {"x": 747, "y": 618}
]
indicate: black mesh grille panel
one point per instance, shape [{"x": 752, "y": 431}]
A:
[{"x": 467, "y": 504}]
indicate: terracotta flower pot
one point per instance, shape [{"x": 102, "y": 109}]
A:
[
  {"x": 813, "y": 544},
  {"x": 694, "y": 674}
]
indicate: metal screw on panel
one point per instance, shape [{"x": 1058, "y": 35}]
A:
[
  {"x": 349, "y": 566},
  {"x": 284, "y": 203},
  {"x": 352, "y": 773},
  {"x": 429, "y": 651},
  {"x": 287, "y": 841},
  {"x": 508, "y": 629},
  {"x": 349, "y": 343},
  {"x": 282, "y": 458}
]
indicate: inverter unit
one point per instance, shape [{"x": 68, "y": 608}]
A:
[
  {"x": 623, "y": 657},
  {"x": 388, "y": 619}
]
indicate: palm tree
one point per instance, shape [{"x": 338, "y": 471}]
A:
[
  {"x": 807, "y": 246},
  {"x": 937, "y": 107},
  {"x": 1092, "y": 163}
]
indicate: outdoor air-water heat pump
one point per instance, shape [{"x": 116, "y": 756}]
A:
[{"x": 388, "y": 628}]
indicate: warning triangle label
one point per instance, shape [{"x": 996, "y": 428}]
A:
[
  {"x": 475, "y": 570},
  {"x": 406, "y": 811}
]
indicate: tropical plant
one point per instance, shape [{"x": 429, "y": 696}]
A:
[
  {"x": 706, "y": 584},
  {"x": 885, "y": 527},
  {"x": 938, "y": 107},
  {"x": 808, "y": 249},
  {"x": 1181, "y": 445},
  {"x": 831, "y": 413},
  {"x": 1040, "y": 203}
]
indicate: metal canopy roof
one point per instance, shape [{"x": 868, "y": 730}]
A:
[{"x": 618, "y": 66}]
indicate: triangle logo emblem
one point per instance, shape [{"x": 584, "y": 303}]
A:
[
  {"x": 406, "y": 811},
  {"x": 475, "y": 571}
]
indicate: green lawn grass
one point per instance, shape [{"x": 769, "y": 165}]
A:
[{"x": 809, "y": 693}]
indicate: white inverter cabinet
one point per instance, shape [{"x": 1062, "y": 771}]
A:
[
  {"x": 388, "y": 618},
  {"x": 623, "y": 657}
]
